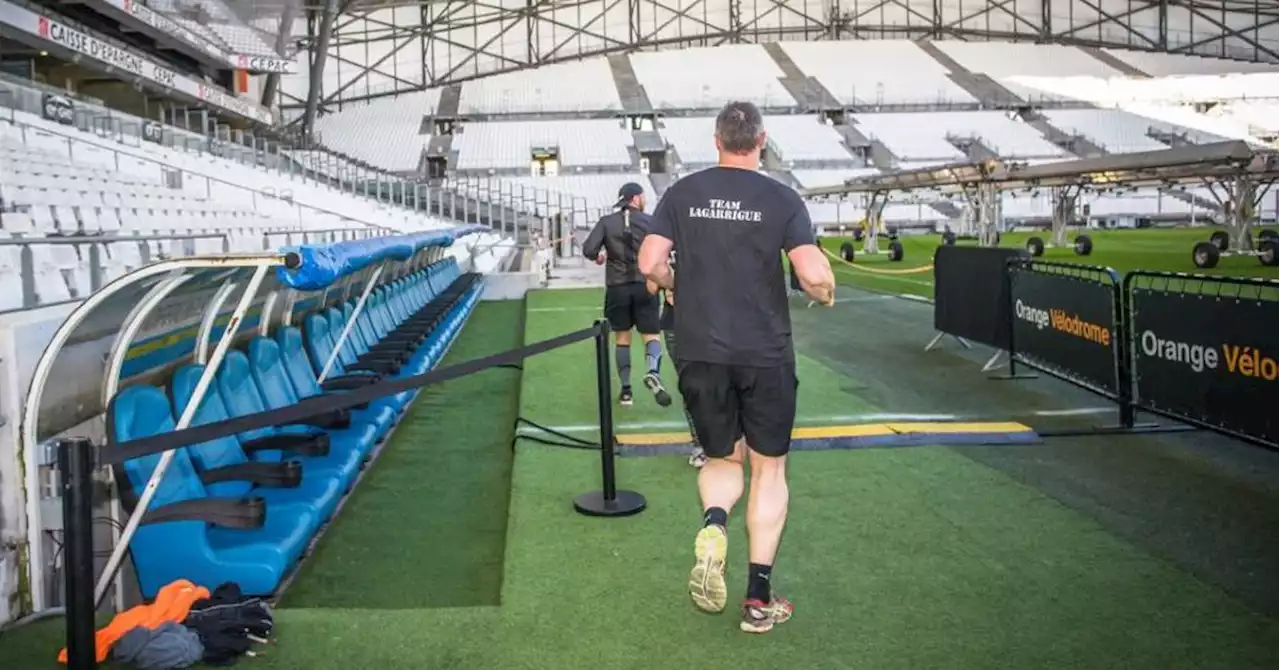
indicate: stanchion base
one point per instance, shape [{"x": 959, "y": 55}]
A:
[{"x": 625, "y": 503}]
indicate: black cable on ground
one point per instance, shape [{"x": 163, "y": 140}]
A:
[{"x": 568, "y": 441}]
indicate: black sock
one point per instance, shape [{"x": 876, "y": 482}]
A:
[
  {"x": 715, "y": 516},
  {"x": 622, "y": 358},
  {"x": 758, "y": 582}
]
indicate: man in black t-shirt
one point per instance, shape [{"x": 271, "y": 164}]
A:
[
  {"x": 615, "y": 241},
  {"x": 698, "y": 457},
  {"x": 730, "y": 226}
]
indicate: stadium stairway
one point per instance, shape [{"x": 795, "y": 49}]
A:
[
  {"x": 807, "y": 91},
  {"x": 630, "y": 92},
  {"x": 247, "y": 508},
  {"x": 980, "y": 86},
  {"x": 1115, "y": 63}
]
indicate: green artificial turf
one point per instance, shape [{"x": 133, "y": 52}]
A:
[
  {"x": 1162, "y": 249},
  {"x": 436, "y": 500},
  {"x": 560, "y": 391},
  {"x": 895, "y": 558}
]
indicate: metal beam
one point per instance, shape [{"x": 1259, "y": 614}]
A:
[
  {"x": 1183, "y": 165},
  {"x": 321, "y": 53}
]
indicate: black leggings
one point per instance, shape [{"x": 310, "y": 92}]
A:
[{"x": 669, "y": 339}]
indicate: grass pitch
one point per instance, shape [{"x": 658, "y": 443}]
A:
[{"x": 1163, "y": 249}]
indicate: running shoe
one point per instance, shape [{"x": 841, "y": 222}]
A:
[
  {"x": 624, "y": 398},
  {"x": 761, "y": 617},
  {"x": 706, "y": 580},
  {"x": 698, "y": 458},
  {"x": 654, "y": 383}
]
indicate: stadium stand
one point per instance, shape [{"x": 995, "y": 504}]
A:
[
  {"x": 1112, "y": 129},
  {"x": 580, "y": 86},
  {"x": 577, "y": 144},
  {"x": 1163, "y": 64},
  {"x": 382, "y": 132},
  {"x": 706, "y": 78},
  {"x": 911, "y": 137},
  {"x": 691, "y": 138},
  {"x": 805, "y": 139},
  {"x": 1002, "y": 60},
  {"x": 214, "y": 20},
  {"x": 886, "y": 72}
]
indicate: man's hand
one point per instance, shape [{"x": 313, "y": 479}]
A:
[
  {"x": 671, "y": 297},
  {"x": 651, "y": 287}
]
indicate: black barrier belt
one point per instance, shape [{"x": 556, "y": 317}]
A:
[{"x": 119, "y": 452}]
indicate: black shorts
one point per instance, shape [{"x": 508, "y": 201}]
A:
[
  {"x": 628, "y": 306},
  {"x": 732, "y": 401}
]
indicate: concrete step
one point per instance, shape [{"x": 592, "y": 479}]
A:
[
  {"x": 882, "y": 157},
  {"x": 947, "y": 209},
  {"x": 450, "y": 98},
  {"x": 634, "y": 99},
  {"x": 1115, "y": 63},
  {"x": 980, "y": 86},
  {"x": 648, "y": 141},
  {"x": 807, "y": 91},
  {"x": 661, "y": 182},
  {"x": 1077, "y": 145}
]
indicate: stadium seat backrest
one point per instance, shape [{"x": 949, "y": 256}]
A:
[
  {"x": 217, "y": 453},
  {"x": 317, "y": 342},
  {"x": 143, "y": 411},
  {"x": 296, "y": 363},
  {"x": 269, "y": 374},
  {"x": 239, "y": 393},
  {"x": 347, "y": 352}
]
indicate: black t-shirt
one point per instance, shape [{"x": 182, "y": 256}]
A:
[{"x": 730, "y": 227}]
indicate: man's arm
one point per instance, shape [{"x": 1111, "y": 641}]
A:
[
  {"x": 811, "y": 266},
  {"x": 654, "y": 252},
  {"x": 814, "y": 272},
  {"x": 595, "y": 241}
]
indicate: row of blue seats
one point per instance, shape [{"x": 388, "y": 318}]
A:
[{"x": 244, "y": 509}]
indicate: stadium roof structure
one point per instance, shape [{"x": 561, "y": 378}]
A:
[
  {"x": 374, "y": 48},
  {"x": 1192, "y": 164}
]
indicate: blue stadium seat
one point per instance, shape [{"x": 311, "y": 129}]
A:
[
  {"x": 270, "y": 370},
  {"x": 186, "y": 533},
  {"x": 241, "y": 397},
  {"x": 318, "y": 488}
]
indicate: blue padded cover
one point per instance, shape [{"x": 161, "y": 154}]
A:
[{"x": 324, "y": 264}]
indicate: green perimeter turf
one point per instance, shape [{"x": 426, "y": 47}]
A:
[
  {"x": 896, "y": 558},
  {"x": 1163, "y": 249},
  {"x": 560, "y": 398}
]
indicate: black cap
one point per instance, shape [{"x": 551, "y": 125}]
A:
[{"x": 628, "y": 191}]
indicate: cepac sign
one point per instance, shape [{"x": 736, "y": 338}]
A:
[
  {"x": 265, "y": 64},
  {"x": 1066, "y": 325},
  {"x": 1209, "y": 358}
]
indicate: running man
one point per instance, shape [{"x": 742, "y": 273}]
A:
[
  {"x": 698, "y": 457},
  {"x": 627, "y": 303},
  {"x": 731, "y": 225}
]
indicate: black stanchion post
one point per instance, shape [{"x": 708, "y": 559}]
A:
[
  {"x": 608, "y": 501},
  {"x": 76, "y": 458}
]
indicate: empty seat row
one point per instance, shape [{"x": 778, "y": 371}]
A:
[{"x": 245, "y": 508}]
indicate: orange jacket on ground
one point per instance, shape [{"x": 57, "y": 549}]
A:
[{"x": 172, "y": 603}]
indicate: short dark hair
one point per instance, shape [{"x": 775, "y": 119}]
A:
[{"x": 739, "y": 126}]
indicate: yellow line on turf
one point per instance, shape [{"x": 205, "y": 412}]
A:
[
  {"x": 958, "y": 428},
  {"x": 854, "y": 430}
]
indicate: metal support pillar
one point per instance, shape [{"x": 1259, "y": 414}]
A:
[
  {"x": 320, "y": 51},
  {"x": 283, "y": 34},
  {"x": 1239, "y": 206},
  {"x": 1064, "y": 211},
  {"x": 874, "y": 221},
  {"x": 989, "y": 214}
]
